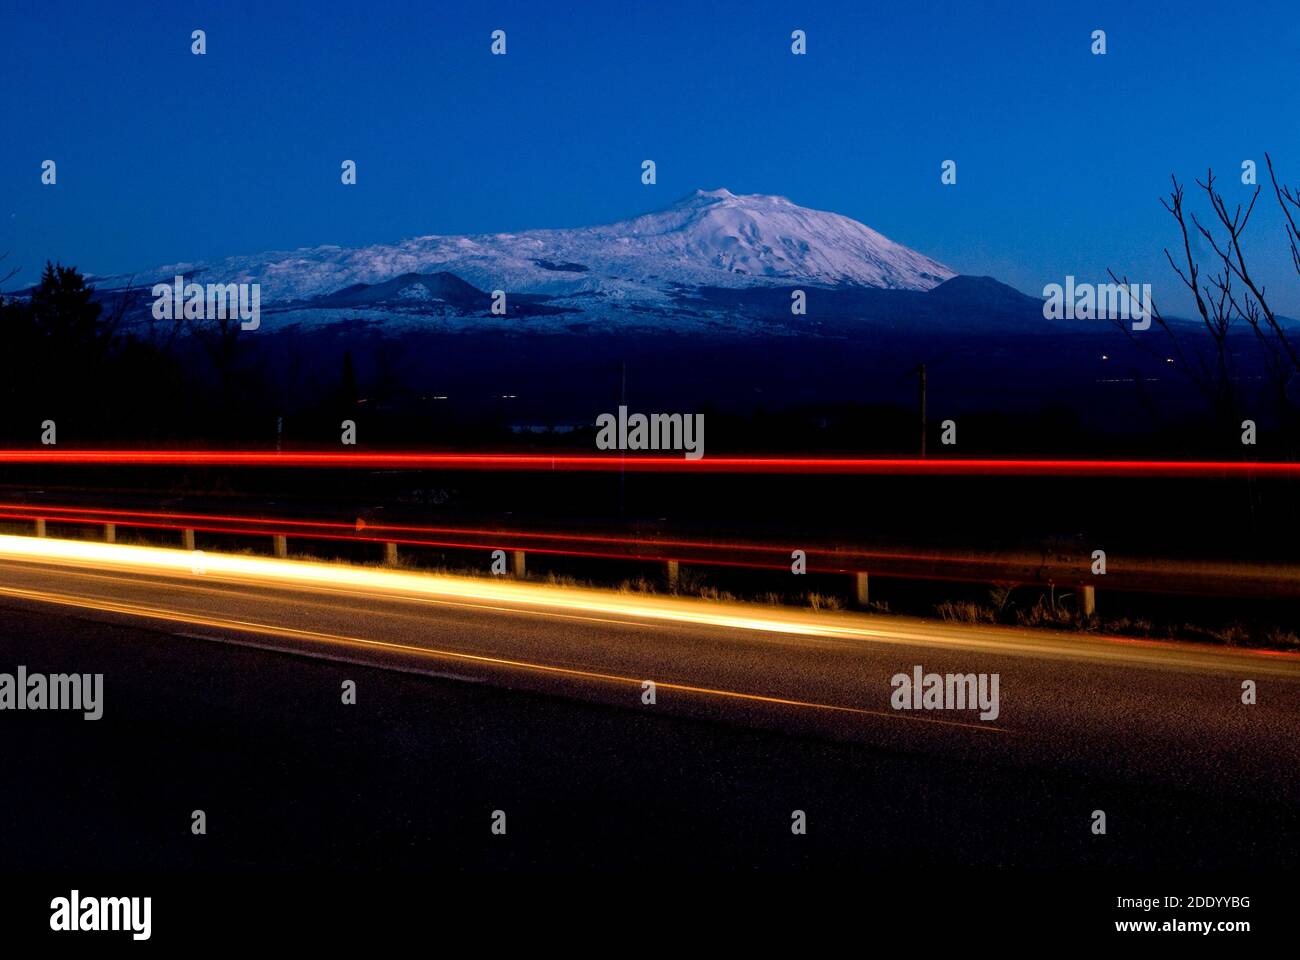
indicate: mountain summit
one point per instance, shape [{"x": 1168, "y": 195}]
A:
[
  {"x": 710, "y": 238},
  {"x": 760, "y": 237}
]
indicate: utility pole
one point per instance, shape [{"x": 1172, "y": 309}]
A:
[
  {"x": 622, "y": 454},
  {"x": 920, "y": 374}
]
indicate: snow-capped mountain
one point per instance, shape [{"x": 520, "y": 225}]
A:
[{"x": 707, "y": 239}]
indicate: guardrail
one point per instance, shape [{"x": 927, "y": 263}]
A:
[{"x": 1055, "y": 566}]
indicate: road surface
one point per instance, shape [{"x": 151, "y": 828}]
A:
[{"x": 757, "y": 710}]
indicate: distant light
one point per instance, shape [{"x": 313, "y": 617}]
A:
[
  {"x": 1169, "y": 359},
  {"x": 1105, "y": 357}
]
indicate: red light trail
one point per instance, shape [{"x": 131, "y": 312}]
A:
[
  {"x": 1031, "y": 566},
  {"x": 906, "y": 466}
]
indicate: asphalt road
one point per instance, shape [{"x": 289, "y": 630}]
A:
[{"x": 472, "y": 703}]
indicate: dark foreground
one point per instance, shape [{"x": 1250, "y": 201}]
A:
[{"x": 391, "y": 800}]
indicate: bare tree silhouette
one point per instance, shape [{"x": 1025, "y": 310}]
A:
[
  {"x": 13, "y": 272},
  {"x": 1228, "y": 291}
]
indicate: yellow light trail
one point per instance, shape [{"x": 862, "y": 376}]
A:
[
  {"x": 293, "y": 633},
  {"x": 392, "y": 583},
  {"x": 548, "y": 600}
]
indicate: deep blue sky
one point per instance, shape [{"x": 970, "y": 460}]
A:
[{"x": 165, "y": 156}]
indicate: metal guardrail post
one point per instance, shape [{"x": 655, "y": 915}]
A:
[
  {"x": 672, "y": 573},
  {"x": 861, "y": 589},
  {"x": 1088, "y": 600}
]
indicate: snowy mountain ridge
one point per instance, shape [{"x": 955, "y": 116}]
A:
[{"x": 709, "y": 238}]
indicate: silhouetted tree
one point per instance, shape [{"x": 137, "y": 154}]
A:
[
  {"x": 59, "y": 341},
  {"x": 65, "y": 312},
  {"x": 1228, "y": 291}
]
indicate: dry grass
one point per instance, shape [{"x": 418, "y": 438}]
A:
[
  {"x": 821, "y": 601},
  {"x": 1043, "y": 614},
  {"x": 965, "y": 611},
  {"x": 639, "y": 585},
  {"x": 1282, "y": 638}
]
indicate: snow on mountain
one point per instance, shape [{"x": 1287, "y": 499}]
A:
[{"x": 707, "y": 239}]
